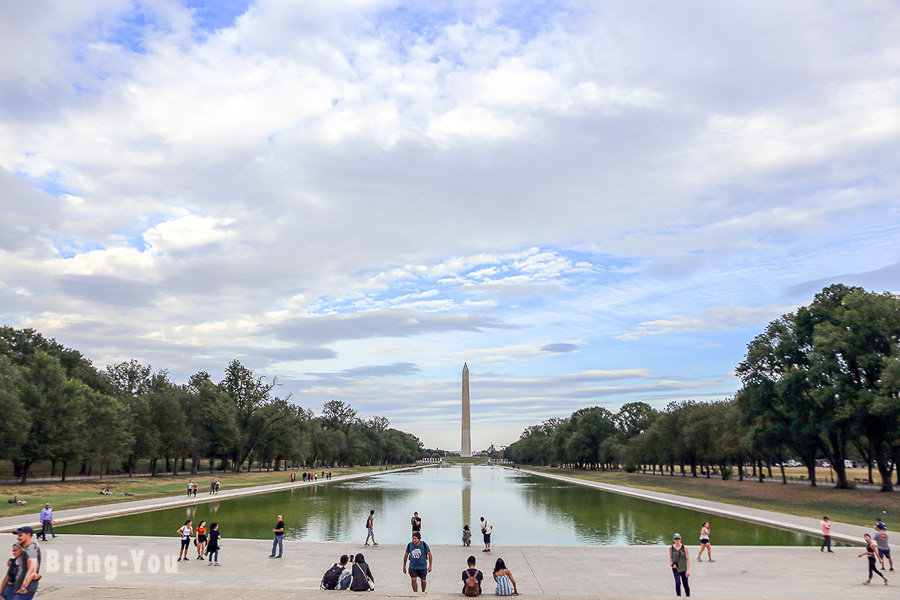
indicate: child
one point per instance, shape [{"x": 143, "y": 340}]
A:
[{"x": 467, "y": 536}]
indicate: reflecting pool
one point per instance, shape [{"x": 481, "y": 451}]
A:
[{"x": 525, "y": 509}]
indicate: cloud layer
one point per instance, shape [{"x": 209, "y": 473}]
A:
[{"x": 359, "y": 196}]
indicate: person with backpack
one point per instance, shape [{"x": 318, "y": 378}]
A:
[
  {"x": 362, "y": 579},
  {"x": 472, "y": 579},
  {"x": 337, "y": 577},
  {"x": 370, "y": 528}
]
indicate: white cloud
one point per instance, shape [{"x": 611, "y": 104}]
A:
[{"x": 715, "y": 318}]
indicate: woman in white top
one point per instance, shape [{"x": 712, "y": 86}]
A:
[{"x": 185, "y": 533}]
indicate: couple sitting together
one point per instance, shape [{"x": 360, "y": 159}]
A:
[
  {"x": 472, "y": 578},
  {"x": 350, "y": 573}
]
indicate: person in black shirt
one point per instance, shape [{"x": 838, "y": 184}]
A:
[
  {"x": 362, "y": 580},
  {"x": 279, "y": 538},
  {"x": 416, "y": 523}
]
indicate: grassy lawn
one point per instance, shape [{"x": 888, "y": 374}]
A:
[
  {"x": 469, "y": 460},
  {"x": 87, "y": 493},
  {"x": 859, "y": 507}
]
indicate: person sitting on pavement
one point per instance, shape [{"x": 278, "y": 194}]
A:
[
  {"x": 362, "y": 579},
  {"x": 472, "y": 579}
]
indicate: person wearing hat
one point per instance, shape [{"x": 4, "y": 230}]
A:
[
  {"x": 881, "y": 542},
  {"x": 27, "y": 578},
  {"x": 680, "y": 561},
  {"x": 46, "y": 522}
]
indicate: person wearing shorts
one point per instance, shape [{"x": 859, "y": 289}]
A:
[
  {"x": 881, "y": 542},
  {"x": 486, "y": 529},
  {"x": 420, "y": 559},
  {"x": 185, "y": 533}
]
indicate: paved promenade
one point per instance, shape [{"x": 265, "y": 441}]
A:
[{"x": 562, "y": 571}]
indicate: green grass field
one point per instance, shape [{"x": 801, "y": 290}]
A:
[
  {"x": 857, "y": 506},
  {"x": 76, "y": 494}
]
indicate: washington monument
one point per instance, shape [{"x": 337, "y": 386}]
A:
[{"x": 466, "y": 448}]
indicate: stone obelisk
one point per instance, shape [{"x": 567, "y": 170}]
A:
[{"x": 466, "y": 448}]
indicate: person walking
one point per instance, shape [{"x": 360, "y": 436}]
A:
[
  {"x": 467, "y": 536},
  {"x": 185, "y": 533},
  {"x": 826, "y": 535},
  {"x": 486, "y": 529},
  {"x": 8, "y": 587},
  {"x": 881, "y": 542},
  {"x": 215, "y": 540},
  {"x": 870, "y": 553},
  {"x": 416, "y": 523},
  {"x": 190, "y": 488},
  {"x": 46, "y": 522},
  {"x": 680, "y": 561},
  {"x": 279, "y": 538},
  {"x": 29, "y": 571},
  {"x": 472, "y": 579},
  {"x": 201, "y": 540},
  {"x": 196, "y": 487},
  {"x": 370, "y": 528},
  {"x": 704, "y": 543},
  {"x": 212, "y": 487},
  {"x": 420, "y": 559},
  {"x": 218, "y": 487},
  {"x": 506, "y": 583}
]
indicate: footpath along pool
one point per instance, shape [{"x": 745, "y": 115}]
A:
[{"x": 525, "y": 509}]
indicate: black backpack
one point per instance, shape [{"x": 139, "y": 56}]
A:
[{"x": 331, "y": 576}]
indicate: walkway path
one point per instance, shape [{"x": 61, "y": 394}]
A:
[
  {"x": 841, "y": 532},
  {"x": 563, "y": 571},
  {"x": 91, "y": 513}
]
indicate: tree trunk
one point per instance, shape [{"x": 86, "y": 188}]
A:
[
  {"x": 52, "y": 468},
  {"x": 783, "y": 476},
  {"x": 65, "y": 467}
]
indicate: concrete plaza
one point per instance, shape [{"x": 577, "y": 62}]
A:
[{"x": 136, "y": 567}]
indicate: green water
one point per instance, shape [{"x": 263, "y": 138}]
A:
[{"x": 524, "y": 509}]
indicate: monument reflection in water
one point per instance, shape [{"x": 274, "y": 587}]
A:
[{"x": 525, "y": 510}]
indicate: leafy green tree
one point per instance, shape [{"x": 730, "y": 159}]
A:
[
  {"x": 253, "y": 415},
  {"x": 16, "y": 421},
  {"x": 57, "y": 406}
]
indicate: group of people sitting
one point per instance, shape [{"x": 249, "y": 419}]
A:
[
  {"x": 349, "y": 573},
  {"x": 353, "y": 573},
  {"x": 15, "y": 500}
]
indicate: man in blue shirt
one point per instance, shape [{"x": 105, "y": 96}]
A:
[
  {"x": 420, "y": 560},
  {"x": 46, "y": 522}
]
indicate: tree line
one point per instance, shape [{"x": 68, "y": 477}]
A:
[
  {"x": 58, "y": 407},
  {"x": 821, "y": 381}
]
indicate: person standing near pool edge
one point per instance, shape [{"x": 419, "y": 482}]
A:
[
  {"x": 486, "y": 529},
  {"x": 826, "y": 534},
  {"x": 416, "y": 523},
  {"x": 279, "y": 538},
  {"x": 419, "y": 555}
]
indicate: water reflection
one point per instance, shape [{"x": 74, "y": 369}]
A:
[{"x": 524, "y": 509}]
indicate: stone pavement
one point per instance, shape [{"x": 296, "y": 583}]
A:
[
  {"x": 92, "y": 513},
  {"x": 840, "y": 532},
  {"x": 563, "y": 571}
]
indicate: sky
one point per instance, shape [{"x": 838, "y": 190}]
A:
[{"x": 590, "y": 203}]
